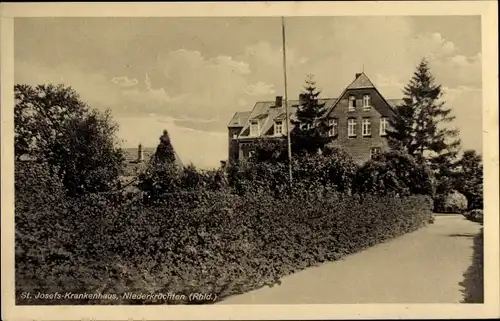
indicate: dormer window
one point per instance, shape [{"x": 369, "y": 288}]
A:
[
  {"x": 254, "y": 128},
  {"x": 366, "y": 102},
  {"x": 278, "y": 128},
  {"x": 352, "y": 103}
]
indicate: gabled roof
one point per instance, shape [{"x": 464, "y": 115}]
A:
[
  {"x": 239, "y": 119},
  {"x": 259, "y": 117},
  {"x": 361, "y": 81},
  {"x": 266, "y": 110},
  {"x": 132, "y": 167},
  {"x": 267, "y": 113}
]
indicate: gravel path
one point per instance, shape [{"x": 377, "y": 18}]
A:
[{"x": 426, "y": 266}]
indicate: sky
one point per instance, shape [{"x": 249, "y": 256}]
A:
[{"x": 190, "y": 75}]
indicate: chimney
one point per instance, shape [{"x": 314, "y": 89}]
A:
[
  {"x": 140, "y": 153},
  {"x": 279, "y": 101},
  {"x": 357, "y": 75}
]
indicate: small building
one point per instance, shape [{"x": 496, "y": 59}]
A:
[
  {"x": 358, "y": 118},
  {"x": 136, "y": 159}
]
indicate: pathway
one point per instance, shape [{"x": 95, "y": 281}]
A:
[{"x": 425, "y": 266}]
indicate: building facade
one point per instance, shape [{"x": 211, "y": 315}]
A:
[{"x": 358, "y": 119}]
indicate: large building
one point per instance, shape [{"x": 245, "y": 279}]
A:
[{"x": 358, "y": 120}]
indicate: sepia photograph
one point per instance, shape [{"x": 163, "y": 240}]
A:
[{"x": 248, "y": 160}]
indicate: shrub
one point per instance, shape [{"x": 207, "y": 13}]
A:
[
  {"x": 160, "y": 179},
  {"x": 273, "y": 150},
  {"x": 475, "y": 215},
  {"x": 334, "y": 168},
  {"x": 453, "y": 202},
  {"x": 266, "y": 177},
  {"x": 394, "y": 172}
]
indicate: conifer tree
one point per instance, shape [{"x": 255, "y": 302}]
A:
[
  {"x": 419, "y": 128},
  {"x": 310, "y": 132},
  {"x": 165, "y": 151}
]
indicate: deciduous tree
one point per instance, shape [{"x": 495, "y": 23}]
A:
[{"x": 54, "y": 126}]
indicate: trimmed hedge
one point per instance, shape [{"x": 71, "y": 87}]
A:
[{"x": 213, "y": 242}]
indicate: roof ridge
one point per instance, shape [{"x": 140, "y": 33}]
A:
[
  {"x": 361, "y": 81},
  {"x": 272, "y": 101}
]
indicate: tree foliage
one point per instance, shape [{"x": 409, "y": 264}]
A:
[
  {"x": 420, "y": 128},
  {"x": 334, "y": 168},
  {"x": 469, "y": 180},
  {"x": 41, "y": 117},
  {"x": 452, "y": 202},
  {"x": 272, "y": 150},
  {"x": 165, "y": 151},
  {"x": 53, "y": 125},
  {"x": 310, "y": 132},
  {"x": 394, "y": 172},
  {"x": 162, "y": 175}
]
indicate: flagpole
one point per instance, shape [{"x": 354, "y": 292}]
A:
[{"x": 286, "y": 103}]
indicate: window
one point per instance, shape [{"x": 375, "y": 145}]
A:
[
  {"x": 352, "y": 103},
  {"x": 254, "y": 128},
  {"x": 304, "y": 126},
  {"x": 366, "y": 102},
  {"x": 383, "y": 126},
  {"x": 251, "y": 153},
  {"x": 333, "y": 124},
  {"x": 374, "y": 151},
  {"x": 366, "y": 127},
  {"x": 235, "y": 136},
  {"x": 351, "y": 127},
  {"x": 278, "y": 128}
]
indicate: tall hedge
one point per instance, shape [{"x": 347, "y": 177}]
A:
[{"x": 220, "y": 243}]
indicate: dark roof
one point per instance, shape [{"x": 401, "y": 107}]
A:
[
  {"x": 132, "y": 167},
  {"x": 267, "y": 113},
  {"x": 239, "y": 119}
]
